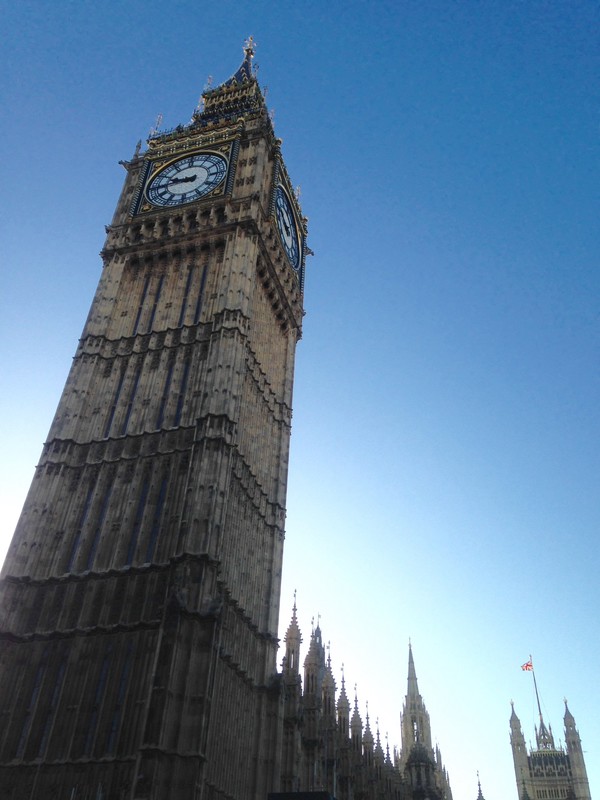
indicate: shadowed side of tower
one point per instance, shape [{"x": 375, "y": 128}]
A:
[{"x": 140, "y": 595}]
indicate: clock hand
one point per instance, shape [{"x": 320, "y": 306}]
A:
[{"x": 182, "y": 180}]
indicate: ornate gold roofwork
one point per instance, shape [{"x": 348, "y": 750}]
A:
[{"x": 240, "y": 94}]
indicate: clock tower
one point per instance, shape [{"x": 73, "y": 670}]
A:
[{"x": 139, "y": 600}]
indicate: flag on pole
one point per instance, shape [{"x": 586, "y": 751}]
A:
[{"x": 527, "y": 666}]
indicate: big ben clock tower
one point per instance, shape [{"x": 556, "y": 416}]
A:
[{"x": 140, "y": 596}]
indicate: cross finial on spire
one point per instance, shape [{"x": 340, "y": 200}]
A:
[
  {"x": 249, "y": 46},
  {"x": 157, "y": 124}
]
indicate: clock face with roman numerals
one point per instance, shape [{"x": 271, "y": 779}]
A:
[
  {"x": 186, "y": 179},
  {"x": 286, "y": 224}
]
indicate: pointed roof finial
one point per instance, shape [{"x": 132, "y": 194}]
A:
[
  {"x": 479, "y": 794},
  {"x": 246, "y": 70},
  {"x": 239, "y": 94},
  {"x": 513, "y": 714},
  {"x": 568, "y": 718},
  {"x": 157, "y": 124},
  {"x": 249, "y": 46}
]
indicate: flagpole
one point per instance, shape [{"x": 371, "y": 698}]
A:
[{"x": 537, "y": 696}]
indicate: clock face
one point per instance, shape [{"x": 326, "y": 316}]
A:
[
  {"x": 187, "y": 179},
  {"x": 286, "y": 224}
]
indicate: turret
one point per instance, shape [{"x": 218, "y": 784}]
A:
[
  {"x": 291, "y": 747},
  {"x": 329, "y": 731},
  {"x": 343, "y": 710},
  {"x": 378, "y": 754},
  {"x": 368, "y": 742},
  {"x": 314, "y": 672},
  {"x": 519, "y": 749},
  {"x": 328, "y": 694},
  {"x": 356, "y": 727},
  {"x": 314, "y": 666},
  {"x": 293, "y": 640},
  {"x": 580, "y": 784}
]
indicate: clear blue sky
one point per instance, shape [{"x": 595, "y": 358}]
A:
[{"x": 445, "y": 462}]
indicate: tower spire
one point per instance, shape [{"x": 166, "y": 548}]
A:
[
  {"x": 245, "y": 71},
  {"x": 416, "y": 729},
  {"x": 413, "y": 686},
  {"x": 238, "y": 95},
  {"x": 479, "y": 792},
  {"x": 293, "y": 640}
]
